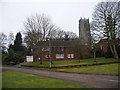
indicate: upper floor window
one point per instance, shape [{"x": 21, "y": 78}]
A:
[
  {"x": 45, "y": 49},
  {"x": 60, "y": 49},
  {"x": 102, "y": 47}
]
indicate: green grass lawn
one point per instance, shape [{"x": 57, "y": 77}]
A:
[
  {"x": 107, "y": 69},
  {"x": 13, "y": 79},
  {"x": 74, "y": 62},
  {"x": 0, "y": 78},
  {"x": 111, "y": 69}
]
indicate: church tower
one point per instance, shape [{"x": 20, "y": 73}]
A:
[{"x": 85, "y": 38}]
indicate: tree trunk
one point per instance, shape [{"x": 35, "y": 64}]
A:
[
  {"x": 51, "y": 59},
  {"x": 115, "y": 52},
  {"x": 79, "y": 58},
  {"x": 111, "y": 49},
  {"x": 51, "y": 62},
  {"x": 94, "y": 56},
  {"x": 40, "y": 61}
]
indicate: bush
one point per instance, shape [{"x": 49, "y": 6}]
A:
[
  {"x": 4, "y": 56},
  {"x": 108, "y": 54},
  {"x": 11, "y": 58},
  {"x": 99, "y": 52}
]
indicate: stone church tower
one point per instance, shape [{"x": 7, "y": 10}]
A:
[{"x": 85, "y": 38}]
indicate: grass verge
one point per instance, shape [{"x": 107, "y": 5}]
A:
[
  {"x": 107, "y": 69},
  {"x": 13, "y": 79},
  {"x": 73, "y": 62},
  {"x": 110, "y": 69}
]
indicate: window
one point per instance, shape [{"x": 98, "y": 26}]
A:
[
  {"x": 102, "y": 47},
  {"x": 62, "y": 48},
  {"x": 70, "y": 55},
  {"x": 59, "y": 55},
  {"x": 58, "y": 48},
  {"x": 47, "y": 56},
  {"x": 45, "y": 49}
]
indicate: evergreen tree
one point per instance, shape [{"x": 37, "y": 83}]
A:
[
  {"x": 12, "y": 58},
  {"x": 19, "y": 49},
  {"x": 11, "y": 55},
  {"x": 18, "y": 43},
  {"x": 10, "y": 47}
]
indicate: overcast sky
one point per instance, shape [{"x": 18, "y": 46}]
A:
[{"x": 65, "y": 14}]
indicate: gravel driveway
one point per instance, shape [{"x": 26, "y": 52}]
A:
[{"x": 94, "y": 81}]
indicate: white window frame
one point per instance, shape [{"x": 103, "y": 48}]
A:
[
  {"x": 62, "y": 48},
  {"x": 70, "y": 55},
  {"x": 47, "y": 56},
  {"x": 59, "y": 56},
  {"x": 45, "y": 48}
]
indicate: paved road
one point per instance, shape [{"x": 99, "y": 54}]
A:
[{"x": 94, "y": 81}]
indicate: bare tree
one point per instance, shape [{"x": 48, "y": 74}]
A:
[
  {"x": 106, "y": 23},
  {"x": 95, "y": 37},
  {"x": 94, "y": 40},
  {"x": 71, "y": 35},
  {"x": 3, "y": 39},
  {"x": 37, "y": 28},
  {"x": 11, "y": 38},
  {"x": 57, "y": 34},
  {"x": 61, "y": 35}
]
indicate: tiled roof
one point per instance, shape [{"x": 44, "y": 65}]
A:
[{"x": 57, "y": 43}]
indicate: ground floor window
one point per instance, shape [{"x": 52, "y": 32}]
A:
[
  {"x": 70, "y": 55},
  {"x": 59, "y": 55},
  {"x": 47, "y": 56}
]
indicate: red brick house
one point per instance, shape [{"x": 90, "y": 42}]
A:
[
  {"x": 103, "y": 43},
  {"x": 57, "y": 50}
]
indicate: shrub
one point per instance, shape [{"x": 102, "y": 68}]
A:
[
  {"x": 108, "y": 54},
  {"x": 11, "y": 58}
]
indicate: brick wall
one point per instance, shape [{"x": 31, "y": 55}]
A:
[{"x": 67, "y": 50}]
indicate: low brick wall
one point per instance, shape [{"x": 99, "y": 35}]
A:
[{"x": 70, "y": 65}]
